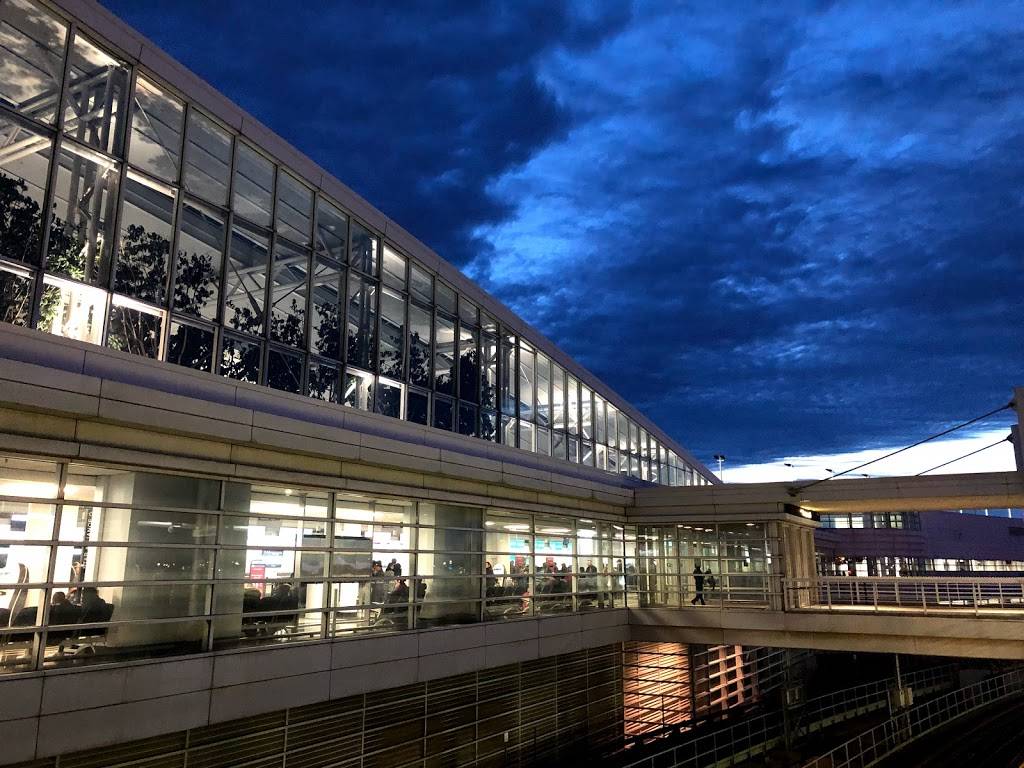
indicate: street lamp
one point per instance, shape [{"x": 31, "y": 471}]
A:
[{"x": 720, "y": 458}]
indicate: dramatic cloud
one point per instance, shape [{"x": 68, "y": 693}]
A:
[{"x": 780, "y": 232}]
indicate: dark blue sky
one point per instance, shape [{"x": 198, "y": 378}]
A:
[{"x": 795, "y": 230}]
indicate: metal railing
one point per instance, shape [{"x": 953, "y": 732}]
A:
[
  {"x": 870, "y": 747},
  {"x": 990, "y": 596},
  {"x": 733, "y": 744}
]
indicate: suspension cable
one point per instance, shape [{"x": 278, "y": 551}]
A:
[
  {"x": 1008, "y": 438},
  {"x": 800, "y": 488}
]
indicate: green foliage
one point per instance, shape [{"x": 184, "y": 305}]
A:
[{"x": 20, "y": 222}]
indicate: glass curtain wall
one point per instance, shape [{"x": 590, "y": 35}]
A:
[
  {"x": 172, "y": 238},
  {"x": 100, "y": 564},
  {"x": 710, "y": 564}
]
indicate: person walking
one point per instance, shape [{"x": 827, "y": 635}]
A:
[{"x": 698, "y": 584}]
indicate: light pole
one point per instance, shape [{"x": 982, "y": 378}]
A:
[{"x": 720, "y": 458}]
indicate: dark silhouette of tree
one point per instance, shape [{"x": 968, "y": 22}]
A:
[
  {"x": 195, "y": 283},
  {"x": 360, "y": 345},
  {"x": 469, "y": 374},
  {"x": 142, "y": 264},
  {"x": 190, "y": 347},
  {"x": 20, "y": 222},
  {"x": 132, "y": 330},
  {"x": 241, "y": 360},
  {"x": 323, "y": 382},
  {"x": 419, "y": 360},
  {"x": 284, "y": 372},
  {"x": 289, "y": 328},
  {"x": 328, "y": 336}
]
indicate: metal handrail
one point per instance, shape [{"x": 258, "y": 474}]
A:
[
  {"x": 925, "y": 594},
  {"x": 874, "y": 745}
]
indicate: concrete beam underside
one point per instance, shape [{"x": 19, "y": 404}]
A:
[{"x": 964, "y": 636}]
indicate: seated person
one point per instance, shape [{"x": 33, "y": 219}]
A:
[
  {"x": 94, "y": 608},
  {"x": 396, "y": 605},
  {"x": 63, "y": 611}
]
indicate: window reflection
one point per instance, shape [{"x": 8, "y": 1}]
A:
[
  {"x": 95, "y": 97},
  {"x": 294, "y": 209},
  {"x": 199, "y": 259},
  {"x": 246, "y": 280},
  {"x": 326, "y": 318},
  {"x": 24, "y": 167},
  {"x": 288, "y": 293},
  {"x": 157, "y": 124},
  {"x": 417, "y": 407},
  {"x": 358, "y": 389},
  {"x": 420, "y": 335},
  {"x": 134, "y": 328},
  {"x": 362, "y": 321},
  {"x": 147, "y": 225},
  {"x": 207, "y": 159},
  {"x": 389, "y": 398},
  {"x": 32, "y": 45},
  {"x": 392, "y": 333},
  {"x": 323, "y": 381},
  {"x": 284, "y": 371},
  {"x": 254, "y": 184},
  {"x": 444, "y": 355},
  {"x": 240, "y": 359},
  {"x": 469, "y": 365},
  {"x": 363, "y": 251},
  {"x": 393, "y": 272},
  {"x": 82, "y": 225},
  {"x": 331, "y": 231},
  {"x": 190, "y": 346}
]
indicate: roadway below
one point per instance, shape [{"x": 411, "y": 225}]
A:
[{"x": 989, "y": 738}]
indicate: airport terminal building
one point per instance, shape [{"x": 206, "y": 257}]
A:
[{"x": 276, "y": 479}]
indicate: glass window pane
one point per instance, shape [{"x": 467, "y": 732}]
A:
[
  {"x": 358, "y": 389},
  {"x": 15, "y": 297},
  {"x": 240, "y": 360},
  {"x": 489, "y": 380},
  {"x": 82, "y": 227},
  {"x": 572, "y": 405},
  {"x": 288, "y": 294},
  {"x": 527, "y": 376},
  {"x": 24, "y": 167},
  {"x": 445, "y": 298},
  {"x": 586, "y": 413},
  {"x": 469, "y": 365},
  {"x": 72, "y": 310},
  {"x": 326, "y": 319},
  {"x": 331, "y": 231},
  {"x": 392, "y": 332},
  {"x": 246, "y": 280},
  {"x": 95, "y": 98},
  {"x": 509, "y": 431},
  {"x": 254, "y": 184},
  {"x": 420, "y": 334},
  {"x": 421, "y": 284},
  {"x": 284, "y": 371},
  {"x": 526, "y": 435},
  {"x": 508, "y": 375},
  {"x": 544, "y": 441},
  {"x": 157, "y": 122},
  {"x": 489, "y": 425},
  {"x": 363, "y": 252},
  {"x": 443, "y": 413},
  {"x": 599, "y": 419},
  {"x": 323, "y": 381},
  {"x": 361, "y": 323},
  {"x": 468, "y": 312},
  {"x": 200, "y": 254},
  {"x": 557, "y": 397},
  {"x": 417, "y": 407},
  {"x": 467, "y": 419},
  {"x": 394, "y": 268},
  {"x": 444, "y": 355},
  {"x": 135, "y": 328},
  {"x": 32, "y": 42},
  {"x": 389, "y": 398},
  {"x": 147, "y": 224},
  {"x": 543, "y": 390},
  {"x": 294, "y": 209},
  {"x": 190, "y": 346},
  {"x": 207, "y": 159}
]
